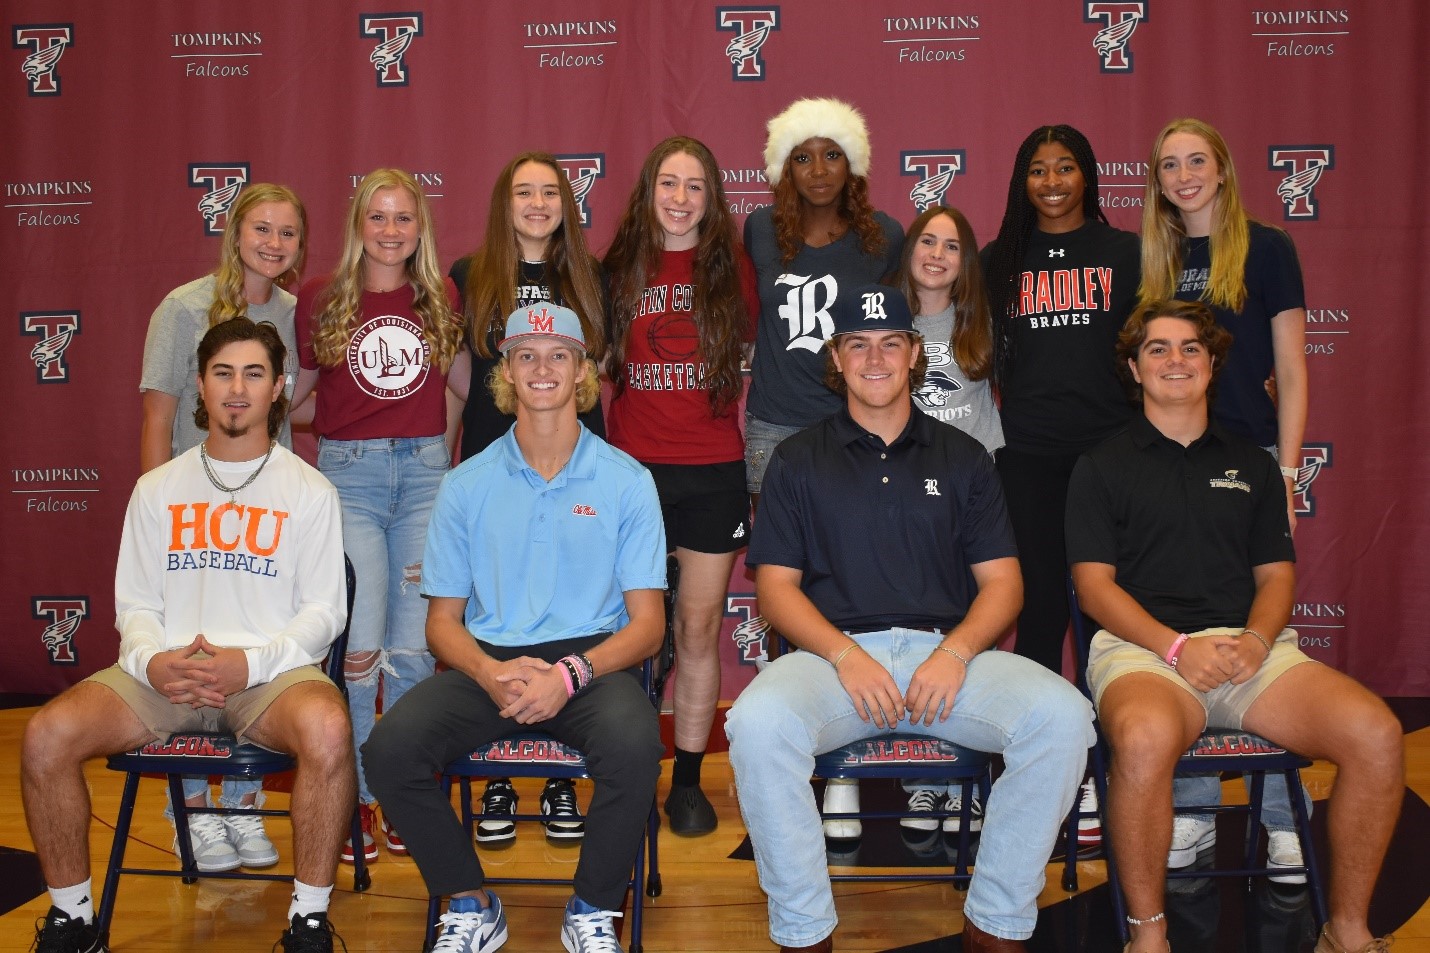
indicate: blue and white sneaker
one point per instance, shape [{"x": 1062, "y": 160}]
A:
[
  {"x": 589, "y": 930},
  {"x": 467, "y": 928}
]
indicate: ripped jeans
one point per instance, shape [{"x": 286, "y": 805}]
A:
[{"x": 386, "y": 487}]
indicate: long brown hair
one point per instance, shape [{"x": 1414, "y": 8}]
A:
[
  {"x": 972, "y": 342},
  {"x": 719, "y": 311},
  {"x": 571, "y": 272},
  {"x": 854, "y": 208},
  {"x": 339, "y": 304}
]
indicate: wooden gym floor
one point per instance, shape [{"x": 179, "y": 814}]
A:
[{"x": 711, "y": 899}]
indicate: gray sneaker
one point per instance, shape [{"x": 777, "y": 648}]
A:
[
  {"x": 208, "y": 835},
  {"x": 248, "y": 838}
]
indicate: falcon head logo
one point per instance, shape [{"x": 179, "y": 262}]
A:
[
  {"x": 47, "y": 43},
  {"x": 394, "y": 33},
  {"x": 752, "y": 27},
  {"x": 1303, "y": 166},
  {"x": 1120, "y": 19}
]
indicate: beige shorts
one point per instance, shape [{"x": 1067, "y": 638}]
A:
[
  {"x": 1226, "y": 705},
  {"x": 164, "y": 718}
]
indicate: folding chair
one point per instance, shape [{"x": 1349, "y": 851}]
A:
[
  {"x": 1218, "y": 750},
  {"x": 209, "y": 753}
]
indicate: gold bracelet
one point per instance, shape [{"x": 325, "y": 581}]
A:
[
  {"x": 840, "y": 657},
  {"x": 944, "y": 648},
  {"x": 1259, "y": 638}
]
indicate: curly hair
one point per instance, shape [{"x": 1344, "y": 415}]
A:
[
  {"x": 972, "y": 343},
  {"x": 1215, "y": 338},
  {"x": 588, "y": 388},
  {"x": 340, "y": 302},
  {"x": 229, "y": 301},
  {"x": 232, "y": 331},
  {"x": 834, "y": 377},
  {"x": 1164, "y": 234},
  {"x": 1005, "y": 261},
  {"x": 572, "y": 275},
  {"x": 719, "y": 310},
  {"x": 854, "y": 208}
]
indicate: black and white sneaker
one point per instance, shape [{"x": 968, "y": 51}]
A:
[
  {"x": 499, "y": 802},
  {"x": 60, "y": 933},
  {"x": 309, "y": 933},
  {"x": 562, "y": 816}
]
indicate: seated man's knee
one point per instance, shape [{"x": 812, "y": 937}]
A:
[{"x": 59, "y": 733}]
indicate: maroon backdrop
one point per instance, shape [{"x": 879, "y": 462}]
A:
[{"x": 124, "y": 123}]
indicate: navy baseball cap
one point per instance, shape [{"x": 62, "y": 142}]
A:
[{"x": 872, "y": 308}]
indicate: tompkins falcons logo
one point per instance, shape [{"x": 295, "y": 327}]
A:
[
  {"x": 752, "y": 26},
  {"x": 582, "y": 170},
  {"x": 47, "y": 43},
  {"x": 935, "y": 171},
  {"x": 1314, "y": 457},
  {"x": 937, "y": 389},
  {"x": 394, "y": 33},
  {"x": 55, "y": 329},
  {"x": 62, "y": 615},
  {"x": 752, "y": 633},
  {"x": 1303, "y": 165},
  {"x": 221, "y": 183},
  {"x": 1121, "y": 19}
]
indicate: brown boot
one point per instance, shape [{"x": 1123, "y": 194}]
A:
[
  {"x": 1329, "y": 944},
  {"x": 976, "y": 941},
  {"x": 825, "y": 945}
]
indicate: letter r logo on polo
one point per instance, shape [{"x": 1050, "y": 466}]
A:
[
  {"x": 541, "y": 323},
  {"x": 874, "y": 306}
]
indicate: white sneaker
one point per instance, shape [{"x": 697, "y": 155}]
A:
[
  {"x": 248, "y": 838},
  {"x": 1089, "y": 829},
  {"x": 925, "y": 803},
  {"x": 954, "y": 802},
  {"x": 841, "y": 796},
  {"x": 1191, "y": 834},
  {"x": 208, "y": 835},
  {"x": 589, "y": 930},
  {"x": 1283, "y": 849}
]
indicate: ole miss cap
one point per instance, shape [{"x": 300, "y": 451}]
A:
[
  {"x": 543, "y": 319},
  {"x": 872, "y": 308}
]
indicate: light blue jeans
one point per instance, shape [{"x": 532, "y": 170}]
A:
[
  {"x": 797, "y": 708},
  {"x": 231, "y": 791},
  {"x": 387, "y": 488}
]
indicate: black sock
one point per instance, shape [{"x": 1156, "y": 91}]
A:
[{"x": 686, "y": 773}]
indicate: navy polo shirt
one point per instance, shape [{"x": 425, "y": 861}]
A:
[
  {"x": 1182, "y": 525},
  {"x": 883, "y": 534}
]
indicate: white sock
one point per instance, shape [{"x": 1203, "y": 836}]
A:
[
  {"x": 76, "y": 902},
  {"x": 308, "y": 899}
]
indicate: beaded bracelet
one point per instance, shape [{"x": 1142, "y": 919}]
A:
[
  {"x": 1264, "y": 644},
  {"x": 1152, "y": 919},
  {"x": 944, "y": 648}
]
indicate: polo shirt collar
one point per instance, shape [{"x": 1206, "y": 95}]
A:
[
  {"x": 919, "y": 428},
  {"x": 1144, "y": 434},
  {"x": 582, "y": 464}
]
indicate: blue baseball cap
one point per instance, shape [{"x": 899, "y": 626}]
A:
[
  {"x": 872, "y": 308},
  {"x": 543, "y": 319}
]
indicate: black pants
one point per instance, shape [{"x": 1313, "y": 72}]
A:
[
  {"x": 1036, "y": 489},
  {"x": 448, "y": 715}
]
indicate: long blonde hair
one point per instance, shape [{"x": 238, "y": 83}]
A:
[
  {"x": 229, "y": 301},
  {"x": 340, "y": 302},
  {"x": 1163, "y": 233}
]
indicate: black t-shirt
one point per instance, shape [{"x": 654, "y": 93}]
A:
[
  {"x": 1182, "y": 525},
  {"x": 1061, "y": 394},
  {"x": 1273, "y": 285},
  {"x": 482, "y": 423},
  {"x": 883, "y": 534}
]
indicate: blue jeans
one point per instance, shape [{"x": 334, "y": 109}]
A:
[
  {"x": 797, "y": 708},
  {"x": 1193, "y": 789},
  {"x": 387, "y": 488}
]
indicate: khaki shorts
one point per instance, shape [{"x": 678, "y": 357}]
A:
[
  {"x": 164, "y": 718},
  {"x": 1226, "y": 705}
]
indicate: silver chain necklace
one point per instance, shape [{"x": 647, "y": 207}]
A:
[{"x": 232, "y": 491}]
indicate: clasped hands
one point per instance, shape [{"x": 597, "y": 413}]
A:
[
  {"x": 528, "y": 689},
  {"x": 200, "y": 675},
  {"x": 1209, "y": 661}
]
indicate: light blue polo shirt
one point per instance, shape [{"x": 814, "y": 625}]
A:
[{"x": 539, "y": 561}]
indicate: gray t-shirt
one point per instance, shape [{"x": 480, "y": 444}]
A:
[
  {"x": 947, "y": 394},
  {"x": 171, "y": 359},
  {"x": 787, "y": 374}
]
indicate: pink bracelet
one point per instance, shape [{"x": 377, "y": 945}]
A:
[
  {"x": 1174, "y": 654},
  {"x": 566, "y": 677}
]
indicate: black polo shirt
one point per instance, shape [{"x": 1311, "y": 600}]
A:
[
  {"x": 1183, "y": 525},
  {"x": 883, "y": 534}
]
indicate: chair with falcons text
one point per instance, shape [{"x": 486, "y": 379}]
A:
[
  {"x": 208, "y": 753},
  {"x": 1219, "y": 750}
]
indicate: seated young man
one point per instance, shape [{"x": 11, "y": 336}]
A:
[
  {"x": 545, "y": 571},
  {"x": 1180, "y": 548},
  {"x": 883, "y": 551},
  {"x": 230, "y": 587}
]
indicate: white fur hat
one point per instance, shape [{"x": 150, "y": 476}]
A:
[{"x": 810, "y": 118}]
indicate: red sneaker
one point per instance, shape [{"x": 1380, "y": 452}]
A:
[
  {"x": 369, "y": 844},
  {"x": 394, "y": 842}
]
